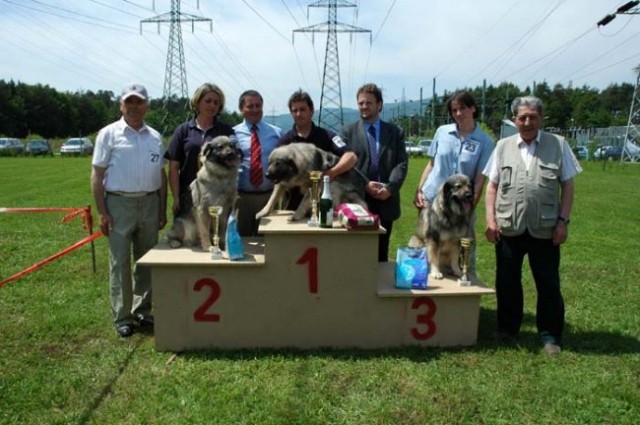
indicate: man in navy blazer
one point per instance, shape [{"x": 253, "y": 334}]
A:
[{"x": 382, "y": 158}]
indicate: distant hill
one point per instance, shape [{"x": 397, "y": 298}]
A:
[{"x": 389, "y": 110}]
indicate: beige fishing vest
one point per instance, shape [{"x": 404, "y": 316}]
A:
[{"x": 529, "y": 199}]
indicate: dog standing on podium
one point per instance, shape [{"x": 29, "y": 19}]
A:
[
  {"x": 289, "y": 167},
  {"x": 215, "y": 185},
  {"x": 443, "y": 223}
]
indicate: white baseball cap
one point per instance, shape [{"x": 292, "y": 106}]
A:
[{"x": 134, "y": 89}]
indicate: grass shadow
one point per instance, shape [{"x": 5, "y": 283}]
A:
[
  {"x": 86, "y": 415},
  {"x": 583, "y": 342}
]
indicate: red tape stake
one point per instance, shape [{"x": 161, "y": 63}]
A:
[
  {"x": 39, "y": 264},
  {"x": 87, "y": 225}
]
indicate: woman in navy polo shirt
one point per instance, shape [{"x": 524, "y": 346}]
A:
[{"x": 206, "y": 103}]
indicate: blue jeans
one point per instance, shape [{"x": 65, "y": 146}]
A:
[{"x": 544, "y": 261}]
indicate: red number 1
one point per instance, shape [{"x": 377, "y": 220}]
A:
[{"x": 311, "y": 256}]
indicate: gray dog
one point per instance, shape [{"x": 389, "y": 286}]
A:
[
  {"x": 289, "y": 167},
  {"x": 215, "y": 185},
  {"x": 443, "y": 223}
]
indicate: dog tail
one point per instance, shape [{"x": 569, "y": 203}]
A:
[{"x": 419, "y": 238}]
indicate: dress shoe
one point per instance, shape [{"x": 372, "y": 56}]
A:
[
  {"x": 125, "y": 331},
  {"x": 552, "y": 349},
  {"x": 145, "y": 321}
]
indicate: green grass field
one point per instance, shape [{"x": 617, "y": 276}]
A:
[{"x": 61, "y": 362}]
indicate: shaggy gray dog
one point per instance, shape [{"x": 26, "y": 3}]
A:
[
  {"x": 443, "y": 223},
  {"x": 289, "y": 167},
  {"x": 215, "y": 185}
]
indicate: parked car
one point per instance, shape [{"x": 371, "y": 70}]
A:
[
  {"x": 614, "y": 152},
  {"x": 11, "y": 147},
  {"x": 38, "y": 147},
  {"x": 79, "y": 146},
  {"x": 608, "y": 152},
  {"x": 424, "y": 144},
  {"x": 581, "y": 152},
  {"x": 597, "y": 153},
  {"x": 413, "y": 149}
]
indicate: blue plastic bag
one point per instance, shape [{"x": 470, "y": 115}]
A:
[
  {"x": 235, "y": 247},
  {"x": 412, "y": 268}
]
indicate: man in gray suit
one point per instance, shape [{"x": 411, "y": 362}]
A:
[{"x": 381, "y": 157}]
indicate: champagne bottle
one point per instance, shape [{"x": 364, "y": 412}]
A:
[{"x": 326, "y": 205}]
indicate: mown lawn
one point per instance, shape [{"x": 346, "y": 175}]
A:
[{"x": 61, "y": 362}]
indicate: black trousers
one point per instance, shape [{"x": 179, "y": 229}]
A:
[
  {"x": 544, "y": 261},
  {"x": 383, "y": 241}
]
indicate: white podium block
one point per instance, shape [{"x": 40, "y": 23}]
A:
[{"x": 302, "y": 287}]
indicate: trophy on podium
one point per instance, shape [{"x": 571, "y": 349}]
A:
[
  {"x": 214, "y": 212},
  {"x": 465, "y": 243},
  {"x": 314, "y": 192}
]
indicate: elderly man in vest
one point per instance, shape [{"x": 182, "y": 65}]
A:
[{"x": 528, "y": 203}]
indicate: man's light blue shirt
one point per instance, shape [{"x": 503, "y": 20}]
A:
[{"x": 269, "y": 136}]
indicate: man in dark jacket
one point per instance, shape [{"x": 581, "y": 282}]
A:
[{"x": 382, "y": 157}]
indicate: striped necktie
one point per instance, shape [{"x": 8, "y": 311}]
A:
[
  {"x": 372, "y": 173},
  {"x": 255, "y": 170}
]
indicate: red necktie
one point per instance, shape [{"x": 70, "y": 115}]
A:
[{"x": 255, "y": 173}]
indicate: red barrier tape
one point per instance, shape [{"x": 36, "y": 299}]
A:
[
  {"x": 41, "y": 210},
  {"x": 87, "y": 224},
  {"x": 39, "y": 264}
]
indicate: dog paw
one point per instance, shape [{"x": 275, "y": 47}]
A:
[
  {"x": 436, "y": 274},
  {"x": 175, "y": 243}
]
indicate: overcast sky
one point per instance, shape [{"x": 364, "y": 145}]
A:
[{"x": 78, "y": 45}]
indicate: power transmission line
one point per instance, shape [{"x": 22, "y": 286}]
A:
[
  {"x": 175, "y": 71},
  {"x": 631, "y": 144},
  {"x": 330, "y": 115}
]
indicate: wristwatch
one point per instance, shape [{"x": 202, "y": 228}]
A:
[{"x": 565, "y": 219}]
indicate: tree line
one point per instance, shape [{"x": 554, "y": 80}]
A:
[
  {"x": 27, "y": 110},
  {"x": 565, "y": 108},
  {"x": 39, "y": 109}
]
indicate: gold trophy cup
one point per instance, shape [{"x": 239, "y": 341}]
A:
[
  {"x": 214, "y": 212},
  {"x": 465, "y": 243},
  {"x": 314, "y": 192}
]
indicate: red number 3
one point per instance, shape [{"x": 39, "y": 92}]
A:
[
  {"x": 201, "y": 314},
  {"x": 425, "y": 318}
]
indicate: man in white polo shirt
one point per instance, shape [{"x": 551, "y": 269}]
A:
[{"x": 130, "y": 189}]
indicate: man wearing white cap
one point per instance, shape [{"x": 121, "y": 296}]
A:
[{"x": 130, "y": 189}]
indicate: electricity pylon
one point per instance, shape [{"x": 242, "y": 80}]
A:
[
  {"x": 630, "y": 147},
  {"x": 175, "y": 74},
  {"x": 330, "y": 115}
]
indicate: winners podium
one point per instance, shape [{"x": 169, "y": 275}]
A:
[{"x": 302, "y": 287}]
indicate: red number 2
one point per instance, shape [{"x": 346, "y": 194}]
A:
[
  {"x": 201, "y": 315},
  {"x": 311, "y": 256},
  {"x": 425, "y": 318}
]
